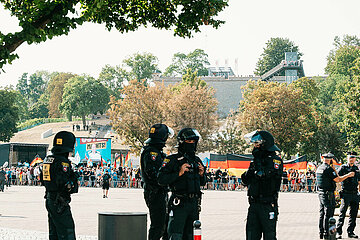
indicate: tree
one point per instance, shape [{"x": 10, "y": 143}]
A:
[
  {"x": 31, "y": 87},
  {"x": 229, "y": 140},
  {"x": 343, "y": 60},
  {"x": 141, "y": 66},
  {"x": 274, "y": 53},
  {"x": 42, "y": 20},
  {"x": 56, "y": 90},
  {"x": 132, "y": 115},
  {"x": 114, "y": 78},
  {"x": 143, "y": 106},
  {"x": 196, "y": 61},
  {"x": 8, "y": 115},
  {"x": 276, "y": 108},
  {"x": 84, "y": 95},
  {"x": 196, "y": 108},
  {"x": 190, "y": 79}
]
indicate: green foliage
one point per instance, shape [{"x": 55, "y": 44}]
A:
[
  {"x": 114, "y": 78},
  {"x": 274, "y": 53},
  {"x": 43, "y": 20},
  {"x": 55, "y": 92},
  {"x": 190, "y": 79},
  {"x": 84, "y": 95},
  {"x": 142, "y": 66},
  {"x": 31, "y": 87},
  {"x": 8, "y": 114},
  {"x": 195, "y": 61}
]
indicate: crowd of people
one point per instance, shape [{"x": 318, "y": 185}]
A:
[{"x": 124, "y": 177}]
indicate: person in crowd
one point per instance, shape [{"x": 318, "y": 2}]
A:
[
  {"x": 349, "y": 196},
  {"x": 326, "y": 177},
  {"x": 106, "y": 178},
  {"x": 3, "y": 179},
  {"x": 285, "y": 180},
  {"x": 217, "y": 179},
  {"x": 184, "y": 173},
  {"x": 151, "y": 159},
  {"x": 263, "y": 179},
  {"x": 60, "y": 181}
]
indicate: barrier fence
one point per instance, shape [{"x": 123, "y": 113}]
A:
[{"x": 232, "y": 184}]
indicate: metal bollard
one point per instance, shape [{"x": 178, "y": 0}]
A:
[
  {"x": 332, "y": 229},
  {"x": 197, "y": 230},
  {"x": 122, "y": 226}
]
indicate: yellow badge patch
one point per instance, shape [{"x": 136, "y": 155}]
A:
[
  {"x": 65, "y": 164},
  {"x": 277, "y": 161},
  {"x": 166, "y": 160},
  {"x": 59, "y": 141},
  {"x": 154, "y": 153},
  {"x": 46, "y": 172},
  {"x": 152, "y": 130}
]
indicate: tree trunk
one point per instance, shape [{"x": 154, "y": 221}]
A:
[
  {"x": 69, "y": 116},
  {"x": 83, "y": 119}
]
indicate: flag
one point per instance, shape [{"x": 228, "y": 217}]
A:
[
  {"x": 101, "y": 162},
  {"x": 36, "y": 160},
  {"x": 127, "y": 160}
]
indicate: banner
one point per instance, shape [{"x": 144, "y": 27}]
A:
[
  {"x": 36, "y": 160},
  {"x": 93, "y": 150}
]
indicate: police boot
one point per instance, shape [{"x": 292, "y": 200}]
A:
[
  {"x": 338, "y": 236},
  {"x": 352, "y": 235}
]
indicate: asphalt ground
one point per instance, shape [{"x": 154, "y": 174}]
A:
[{"x": 223, "y": 215}]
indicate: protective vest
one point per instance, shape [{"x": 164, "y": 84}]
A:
[
  {"x": 268, "y": 186},
  {"x": 350, "y": 184},
  {"x": 324, "y": 178},
  {"x": 150, "y": 162},
  {"x": 58, "y": 176},
  {"x": 187, "y": 183}
]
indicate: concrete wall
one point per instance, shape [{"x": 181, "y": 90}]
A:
[{"x": 228, "y": 91}]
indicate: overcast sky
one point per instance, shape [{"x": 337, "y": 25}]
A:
[{"x": 310, "y": 24}]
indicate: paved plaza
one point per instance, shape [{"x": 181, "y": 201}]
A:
[{"x": 23, "y": 214}]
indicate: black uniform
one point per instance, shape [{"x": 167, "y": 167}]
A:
[
  {"x": 185, "y": 200},
  {"x": 60, "y": 181},
  {"x": 155, "y": 195},
  {"x": 263, "y": 195},
  {"x": 325, "y": 176},
  {"x": 349, "y": 197},
  {"x": 2, "y": 179}
]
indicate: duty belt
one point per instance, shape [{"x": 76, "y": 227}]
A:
[
  {"x": 186, "y": 195},
  {"x": 269, "y": 199}
]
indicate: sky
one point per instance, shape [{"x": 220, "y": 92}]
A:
[{"x": 310, "y": 24}]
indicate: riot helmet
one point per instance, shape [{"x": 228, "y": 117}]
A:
[
  {"x": 63, "y": 142},
  {"x": 188, "y": 139},
  {"x": 262, "y": 138},
  {"x": 159, "y": 133}
]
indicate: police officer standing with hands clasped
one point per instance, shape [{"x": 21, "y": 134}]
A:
[
  {"x": 349, "y": 196},
  {"x": 60, "y": 181},
  {"x": 263, "y": 179},
  {"x": 326, "y": 178},
  {"x": 184, "y": 173},
  {"x": 155, "y": 196}
]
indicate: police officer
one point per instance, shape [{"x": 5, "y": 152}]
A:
[
  {"x": 263, "y": 179},
  {"x": 155, "y": 195},
  {"x": 184, "y": 173},
  {"x": 326, "y": 177},
  {"x": 60, "y": 181},
  {"x": 349, "y": 196}
]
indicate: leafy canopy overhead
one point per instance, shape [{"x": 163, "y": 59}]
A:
[{"x": 42, "y": 20}]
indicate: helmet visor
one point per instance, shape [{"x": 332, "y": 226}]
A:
[
  {"x": 171, "y": 132},
  {"x": 253, "y": 138},
  {"x": 194, "y": 134}
]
